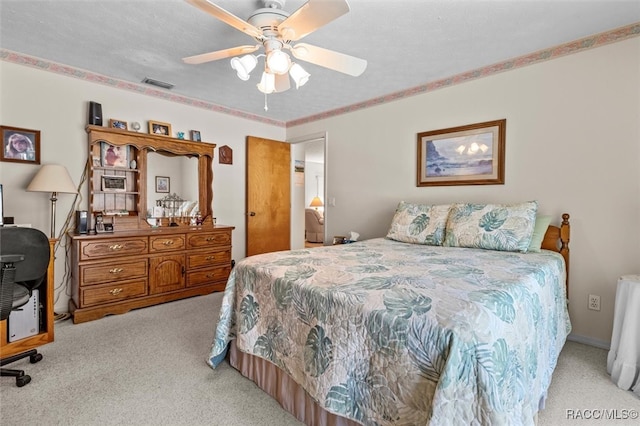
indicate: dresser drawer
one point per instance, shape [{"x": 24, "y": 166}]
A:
[
  {"x": 162, "y": 243},
  {"x": 208, "y": 239},
  {"x": 207, "y": 276},
  {"x": 107, "y": 293},
  {"x": 209, "y": 258},
  {"x": 100, "y": 249},
  {"x": 113, "y": 271}
]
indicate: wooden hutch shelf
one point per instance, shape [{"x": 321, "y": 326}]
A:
[{"x": 138, "y": 264}]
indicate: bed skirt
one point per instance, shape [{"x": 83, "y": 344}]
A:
[{"x": 291, "y": 396}]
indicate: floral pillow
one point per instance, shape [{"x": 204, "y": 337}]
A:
[
  {"x": 504, "y": 227},
  {"x": 419, "y": 223}
]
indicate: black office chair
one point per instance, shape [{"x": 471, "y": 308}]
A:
[{"x": 24, "y": 259}]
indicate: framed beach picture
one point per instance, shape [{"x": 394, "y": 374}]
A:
[
  {"x": 20, "y": 145},
  {"x": 464, "y": 155}
]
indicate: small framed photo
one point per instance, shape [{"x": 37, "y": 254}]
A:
[
  {"x": 114, "y": 183},
  {"x": 114, "y": 155},
  {"x": 162, "y": 184},
  {"x": 118, "y": 124},
  {"x": 20, "y": 145},
  {"x": 195, "y": 136},
  {"x": 158, "y": 128},
  {"x": 464, "y": 155}
]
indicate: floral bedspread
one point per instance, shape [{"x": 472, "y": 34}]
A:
[{"x": 385, "y": 332}]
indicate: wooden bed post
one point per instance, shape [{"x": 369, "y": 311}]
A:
[{"x": 565, "y": 234}]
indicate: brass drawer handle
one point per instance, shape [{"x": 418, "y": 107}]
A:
[
  {"x": 116, "y": 247},
  {"x": 115, "y": 291},
  {"x": 168, "y": 243},
  {"x": 115, "y": 270},
  {"x": 211, "y": 275},
  {"x": 210, "y": 257},
  {"x": 210, "y": 238}
]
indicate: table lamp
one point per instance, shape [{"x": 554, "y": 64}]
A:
[
  {"x": 316, "y": 202},
  {"x": 52, "y": 178}
]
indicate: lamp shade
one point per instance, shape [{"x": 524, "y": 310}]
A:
[
  {"x": 52, "y": 178},
  {"x": 316, "y": 202},
  {"x": 267, "y": 83},
  {"x": 299, "y": 75},
  {"x": 278, "y": 61},
  {"x": 244, "y": 66}
]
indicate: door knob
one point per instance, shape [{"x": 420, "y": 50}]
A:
[{"x": 252, "y": 213}]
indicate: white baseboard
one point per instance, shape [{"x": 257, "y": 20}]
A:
[{"x": 589, "y": 341}]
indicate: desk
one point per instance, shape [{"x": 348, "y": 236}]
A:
[
  {"x": 45, "y": 335},
  {"x": 623, "y": 361}
]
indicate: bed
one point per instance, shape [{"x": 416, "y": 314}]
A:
[{"x": 436, "y": 321}]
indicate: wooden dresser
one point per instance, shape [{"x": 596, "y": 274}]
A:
[{"x": 114, "y": 273}]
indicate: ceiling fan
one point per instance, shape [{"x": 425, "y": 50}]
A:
[{"x": 277, "y": 31}]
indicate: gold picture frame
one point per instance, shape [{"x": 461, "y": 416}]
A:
[
  {"x": 118, "y": 124},
  {"x": 160, "y": 128},
  {"x": 464, "y": 155}
]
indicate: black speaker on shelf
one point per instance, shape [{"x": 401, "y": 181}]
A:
[
  {"x": 95, "y": 113},
  {"x": 82, "y": 222}
]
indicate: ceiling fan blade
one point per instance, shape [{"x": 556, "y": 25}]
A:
[
  {"x": 220, "y": 54},
  {"x": 282, "y": 83},
  {"x": 226, "y": 17},
  {"x": 311, "y": 16},
  {"x": 329, "y": 59}
]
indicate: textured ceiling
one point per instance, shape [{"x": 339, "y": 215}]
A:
[{"x": 407, "y": 43}]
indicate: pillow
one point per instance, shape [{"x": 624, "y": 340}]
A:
[
  {"x": 419, "y": 223},
  {"x": 503, "y": 227},
  {"x": 540, "y": 228}
]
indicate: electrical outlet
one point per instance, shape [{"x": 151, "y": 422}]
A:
[{"x": 594, "y": 302}]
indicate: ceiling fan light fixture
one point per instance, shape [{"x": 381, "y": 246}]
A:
[
  {"x": 267, "y": 83},
  {"x": 243, "y": 66},
  {"x": 299, "y": 75},
  {"x": 278, "y": 61}
]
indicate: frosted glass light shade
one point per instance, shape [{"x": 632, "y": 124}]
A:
[
  {"x": 243, "y": 66},
  {"x": 267, "y": 84},
  {"x": 299, "y": 75},
  {"x": 278, "y": 62}
]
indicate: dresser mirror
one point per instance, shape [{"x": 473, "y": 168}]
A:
[
  {"x": 184, "y": 168},
  {"x": 182, "y": 172}
]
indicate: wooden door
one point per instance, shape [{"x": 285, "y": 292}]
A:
[{"x": 268, "y": 194}]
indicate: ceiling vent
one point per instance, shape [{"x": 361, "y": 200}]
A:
[{"x": 157, "y": 83}]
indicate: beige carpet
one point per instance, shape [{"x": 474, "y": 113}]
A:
[{"x": 147, "y": 367}]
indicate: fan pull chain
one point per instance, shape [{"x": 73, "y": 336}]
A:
[{"x": 266, "y": 107}]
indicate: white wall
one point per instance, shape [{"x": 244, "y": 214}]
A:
[
  {"x": 57, "y": 106},
  {"x": 573, "y": 144}
]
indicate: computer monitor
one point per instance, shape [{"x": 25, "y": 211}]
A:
[{"x": 1, "y": 207}]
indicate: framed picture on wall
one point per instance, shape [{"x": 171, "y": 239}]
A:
[
  {"x": 20, "y": 145},
  {"x": 162, "y": 184},
  {"x": 195, "y": 136},
  {"x": 464, "y": 155}
]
